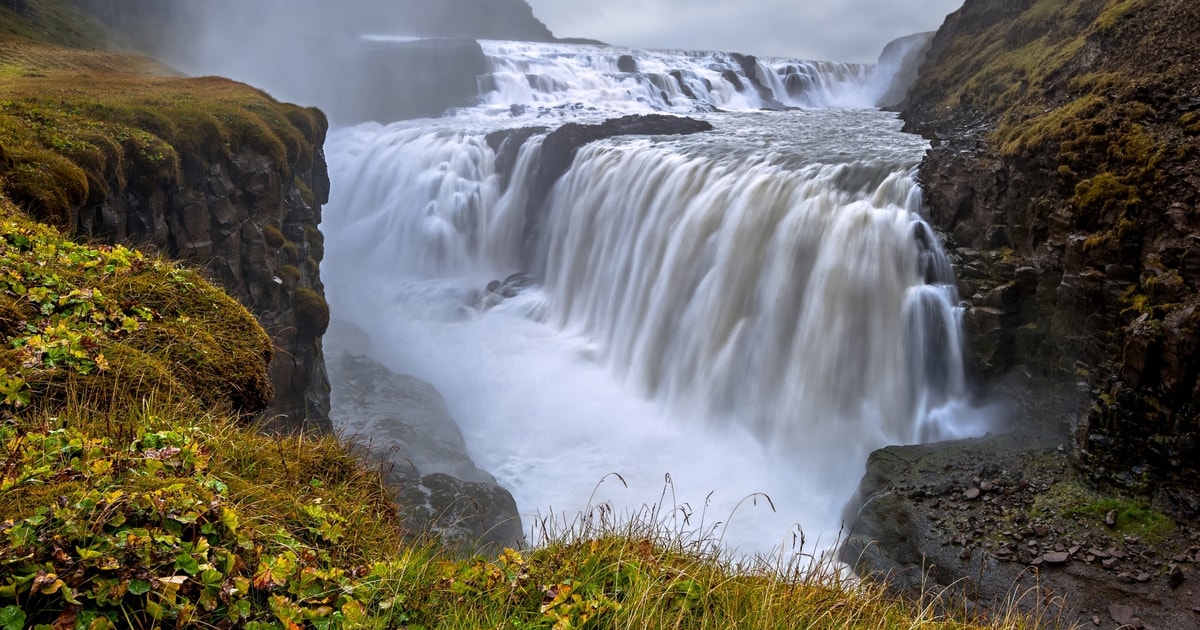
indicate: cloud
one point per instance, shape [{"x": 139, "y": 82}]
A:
[{"x": 837, "y": 30}]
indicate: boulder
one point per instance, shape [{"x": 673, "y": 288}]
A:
[{"x": 402, "y": 424}]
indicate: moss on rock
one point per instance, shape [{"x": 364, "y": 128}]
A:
[
  {"x": 110, "y": 328},
  {"x": 312, "y": 311}
]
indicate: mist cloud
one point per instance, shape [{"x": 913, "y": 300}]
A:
[{"x": 832, "y": 30}]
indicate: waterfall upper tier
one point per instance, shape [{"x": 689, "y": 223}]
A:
[{"x": 570, "y": 79}]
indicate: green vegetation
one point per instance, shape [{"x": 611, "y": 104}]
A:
[
  {"x": 272, "y": 236},
  {"x": 110, "y": 325},
  {"x": 311, "y": 311},
  {"x": 1131, "y": 517},
  {"x": 1089, "y": 508}
]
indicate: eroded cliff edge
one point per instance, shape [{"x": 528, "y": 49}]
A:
[{"x": 1064, "y": 178}]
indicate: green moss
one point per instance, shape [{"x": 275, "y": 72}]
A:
[
  {"x": 111, "y": 328},
  {"x": 1104, "y": 194},
  {"x": 71, "y": 138},
  {"x": 312, "y": 267},
  {"x": 272, "y": 236},
  {"x": 1088, "y": 508},
  {"x": 1190, "y": 123},
  {"x": 1114, "y": 12},
  {"x": 1132, "y": 518},
  {"x": 290, "y": 275},
  {"x": 306, "y": 193},
  {"x": 291, "y": 252},
  {"x": 312, "y": 311},
  {"x": 316, "y": 242}
]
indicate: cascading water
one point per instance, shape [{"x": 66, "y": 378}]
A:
[{"x": 749, "y": 310}]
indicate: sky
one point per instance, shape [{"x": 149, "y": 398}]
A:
[{"x": 826, "y": 30}]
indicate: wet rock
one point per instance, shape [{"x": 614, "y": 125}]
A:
[
  {"x": 560, "y": 146},
  {"x": 507, "y": 145},
  {"x": 403, "y": 423},
  {"x": 626, "y": 63},
  {"x": 1176, "y": 576},
  {"x": 243, "y": 218},
  {"x": 1057, "y": 557},
  {"x": 1121, "y": 614}
]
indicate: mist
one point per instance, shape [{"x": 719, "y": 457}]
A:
[{"x": 316, "y": 53}]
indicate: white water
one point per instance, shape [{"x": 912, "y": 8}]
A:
[{"x": 750, "y": 310}]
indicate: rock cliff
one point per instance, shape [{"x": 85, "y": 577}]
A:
[
  {"x": 209, "y": 171},
  {"x": 250, "y": 219},
  {"x": 1065, "y": 180}
]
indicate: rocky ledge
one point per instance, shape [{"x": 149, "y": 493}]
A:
[
  {"x": 402, "y": 424},
  {"x": 1007, "y": 520}
]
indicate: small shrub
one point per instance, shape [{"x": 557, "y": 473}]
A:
[
  {"x": 272, "y": 236},
  {"x": 316, "y": 242},
  {"x": 312, "y": 311},
  {"x": 290, "y": 275},
  {"x": 291, "y": 252}
]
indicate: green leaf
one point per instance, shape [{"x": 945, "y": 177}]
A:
[
  {"x": 12, "y": 618},
  {"x": 186, "y": 563},
  {"x": 139, "y": 587}
]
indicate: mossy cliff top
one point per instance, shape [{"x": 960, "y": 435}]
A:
[
  {"x": 108, "y": 327},
  {"x": 75, "y": 122},
  {"x": 68, "y": 135}
]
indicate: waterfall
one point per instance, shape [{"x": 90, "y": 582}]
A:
[
  {"x": 751, "y": 309},
  {"x": 794, "y": 302},
  {"x": 568, "y": 78}
]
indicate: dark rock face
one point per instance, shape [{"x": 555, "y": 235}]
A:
[
  {"x": 904, "y": 57},
  {"x": 984, "y": 521},
  {"x": 749, "y": 65},
  {"x": 252, "y": 224},
  {"x": 20, "y": 6},
  {"x": 507, "y": 145},
  {"x": 558, "y": 151},
  {"x": 403, "y": 422}
]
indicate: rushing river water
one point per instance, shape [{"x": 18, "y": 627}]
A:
[{"x": 715, "y": 318}]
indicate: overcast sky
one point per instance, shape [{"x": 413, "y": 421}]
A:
[{"x": 828, "y": 30}]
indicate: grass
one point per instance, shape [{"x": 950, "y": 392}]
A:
[{"x": 170, "y": 516}]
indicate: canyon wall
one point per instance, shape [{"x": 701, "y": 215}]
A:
[{"x": 1065, "y": 179}]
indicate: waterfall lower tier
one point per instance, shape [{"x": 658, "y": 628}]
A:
[{"x": 749, "y": 310}]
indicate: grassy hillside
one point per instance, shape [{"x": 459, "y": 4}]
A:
[{"x": 134, "y": 495}]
